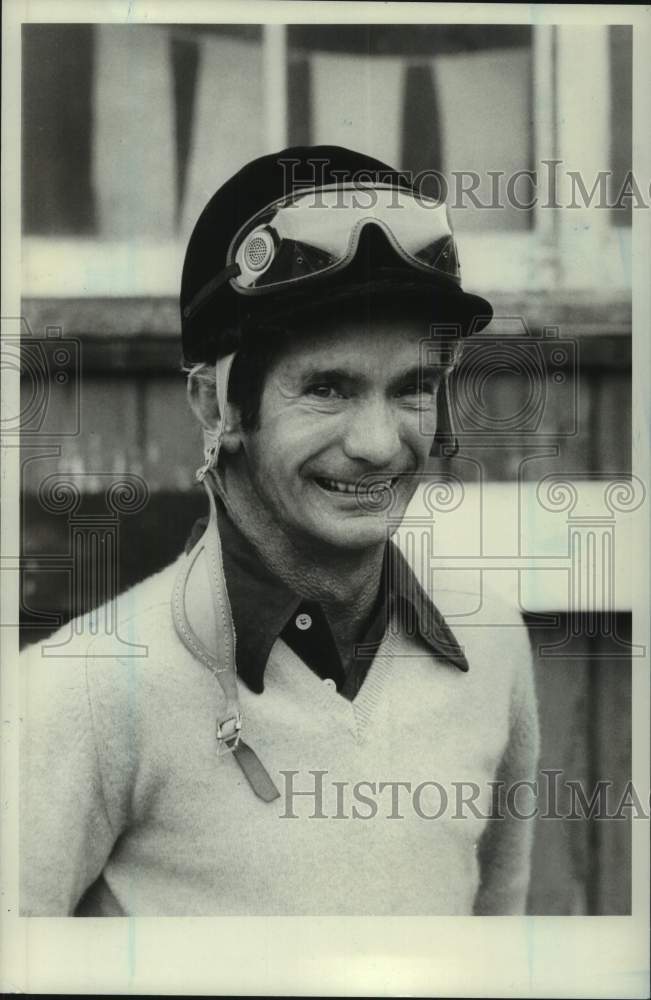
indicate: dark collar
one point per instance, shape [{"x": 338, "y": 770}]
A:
[{"x": 262, "y": 605}]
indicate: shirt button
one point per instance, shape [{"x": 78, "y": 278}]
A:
[
  {"x": 330, "y": 683},
  {"x": 303, "y": 621}
]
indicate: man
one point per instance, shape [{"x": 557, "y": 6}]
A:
[{"x": 306, "y": 733}]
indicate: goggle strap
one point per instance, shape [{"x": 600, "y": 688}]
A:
[
  {"x": 208, "y": 290},
  {"x": 445, "y": 443}
]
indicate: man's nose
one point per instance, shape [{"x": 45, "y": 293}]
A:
[{"x": 373, "y": 434}]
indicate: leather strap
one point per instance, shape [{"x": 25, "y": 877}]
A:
[
  {"x": 255, "y": 772},
  {"x": 222, "y": 661},
  {"x": 208, "y": 290},
  {"x": 224, "y": 669}
]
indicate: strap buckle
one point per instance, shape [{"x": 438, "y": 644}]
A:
[
  {"x": 228, "y": 734},
  {"x": 209, "y": 461}
]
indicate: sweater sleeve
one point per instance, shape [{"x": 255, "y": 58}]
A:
[
  {"x": 66, "y": 834},
  {"x": 505, "y": 846}
]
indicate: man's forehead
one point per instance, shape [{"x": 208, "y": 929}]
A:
[
  {"x": 361, "y": 345},
  {"x": 363, "y": 365}
]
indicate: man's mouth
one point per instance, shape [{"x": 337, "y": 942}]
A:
[{"x": 358, "y": 488}]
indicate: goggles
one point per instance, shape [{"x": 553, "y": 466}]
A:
[{"x": 315, "y": 232}]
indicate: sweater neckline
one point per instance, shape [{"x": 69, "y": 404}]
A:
[{"x": 356, "y": 714}]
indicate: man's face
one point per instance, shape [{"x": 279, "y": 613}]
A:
[{"x": 345, "y": 407}]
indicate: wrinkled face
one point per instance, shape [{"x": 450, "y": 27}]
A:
[{"x": 348, "y": 413}]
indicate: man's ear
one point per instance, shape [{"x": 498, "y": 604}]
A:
[
  {"x": 202, "y": 398},
  {"x": 232, "y": 433}
]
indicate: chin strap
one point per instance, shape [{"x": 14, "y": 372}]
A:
[
  {"x": 222, "y": 662},
  {"x": 229, "y": 723}
]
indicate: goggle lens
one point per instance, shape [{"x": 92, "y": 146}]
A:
[{"x": 317, "y": 231}]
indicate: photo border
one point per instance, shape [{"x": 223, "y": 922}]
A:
[{"x": 339, "y": 956}]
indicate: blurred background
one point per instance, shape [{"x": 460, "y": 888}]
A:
[{"x": 128, "y": 130}]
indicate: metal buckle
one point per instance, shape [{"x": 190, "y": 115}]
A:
[
  {"x": 228, "y": 734},
  {"x": 209, "y": 461}
]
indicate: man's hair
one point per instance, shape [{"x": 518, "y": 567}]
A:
[
  {"x": 251, "y": 365},
  {"x": 253, "y": 360}
]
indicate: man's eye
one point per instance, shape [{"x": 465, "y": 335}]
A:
[
  {"x": 324, "y": 390},
  {"x": 418, "y": 390}
]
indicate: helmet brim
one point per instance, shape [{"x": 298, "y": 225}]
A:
[{"x": 440, "y": 303}]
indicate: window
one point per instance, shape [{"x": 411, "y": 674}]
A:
[{"x": 128, "y": 130}]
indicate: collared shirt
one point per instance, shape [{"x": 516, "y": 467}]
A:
[{"x": 264, "y": 608}]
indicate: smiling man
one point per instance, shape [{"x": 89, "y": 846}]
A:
[{"x": 306, "y": 732}]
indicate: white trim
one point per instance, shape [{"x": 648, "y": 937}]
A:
[
  {"x": 86, "y": 268},
  {"x": 69, "y": 267}
]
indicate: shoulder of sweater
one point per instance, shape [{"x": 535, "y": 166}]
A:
[
  {"x": 466, "y": 595},
  {"x": 470, "y": 596},
  {"x": 487, "y": 623},
  {"x": 105, "y": 670},
  {"x": 134, "y": 616}
]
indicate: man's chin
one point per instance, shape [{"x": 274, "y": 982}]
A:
[{"x": 355, "y": 533}]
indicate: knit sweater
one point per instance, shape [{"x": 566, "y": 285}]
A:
[{"x": 126, "y": 807}]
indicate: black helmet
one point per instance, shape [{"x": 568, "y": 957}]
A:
[{"x": 314, "y": 224}]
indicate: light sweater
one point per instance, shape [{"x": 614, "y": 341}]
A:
[{"x": 126, "y": 808}]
